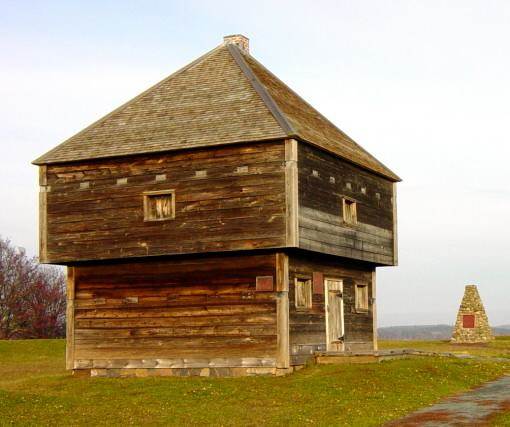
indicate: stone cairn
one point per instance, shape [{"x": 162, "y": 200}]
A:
[{"x": 472, "y": 324}]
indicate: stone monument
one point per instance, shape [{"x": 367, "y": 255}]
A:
[{"x": 472, "y": 324}]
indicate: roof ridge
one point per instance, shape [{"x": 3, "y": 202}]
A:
[
  {"x": 261, "y": 90},
  {"x": 318, "y": 112},
  {"x": 190, "y": 65},
  {"x": 188, "y": 109}
]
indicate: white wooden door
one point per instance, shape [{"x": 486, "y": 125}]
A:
[{"x": 334, "y": 315}]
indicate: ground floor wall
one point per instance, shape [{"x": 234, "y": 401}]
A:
[
  {"x": 210, "y": 312},
  {"x": 215, "y": 315},
  {"x": 307, "y": 326}
]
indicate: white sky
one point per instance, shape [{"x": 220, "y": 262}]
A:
[{"x": 422, "y": 85}]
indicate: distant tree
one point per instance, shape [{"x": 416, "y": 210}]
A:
[{"x": 32, "y": 296}]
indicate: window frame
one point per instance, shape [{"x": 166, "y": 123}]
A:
[
  {"x": 308, "y": 281},
  {"x": 146, "y": 206},
  {"x": 365, "y": 307},
  {"x": 351, "y": 204}
]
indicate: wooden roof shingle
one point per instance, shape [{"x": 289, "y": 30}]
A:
[{"x": 223, "y": 97}]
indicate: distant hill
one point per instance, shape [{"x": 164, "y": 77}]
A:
[
  {"x": 427, "y": 332},
  {"x": 416, "y": 332}
]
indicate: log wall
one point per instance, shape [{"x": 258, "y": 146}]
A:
[
  {"x": 307, "y": 327},
  {"x": 323, "y": 181},
  {"x": 226, "y": 198},
  {"x": 176, "y": 313}
]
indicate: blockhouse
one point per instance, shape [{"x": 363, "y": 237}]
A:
[{"x": 216, "y": 224}]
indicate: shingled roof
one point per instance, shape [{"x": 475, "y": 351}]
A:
[{"x": 223, "y": 97}]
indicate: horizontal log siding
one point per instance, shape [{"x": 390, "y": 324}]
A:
[
  {"x": 308, "y": 326},
  {"x": 175, "y": 312},
  {"x": 91, "y": 216},
  {"x": 323, "y": 181}
]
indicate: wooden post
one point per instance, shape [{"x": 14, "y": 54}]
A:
[
  {"x": 395, "y": 234},
  {"x": 70, "y": 319},
  {"x": 374, "y": 310},
  {"x": 291, "y": 192},
  {"x": 282, "y": 310},
  {"x": 43, "y": 213}
]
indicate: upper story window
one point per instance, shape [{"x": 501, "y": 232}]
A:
[
  {"x": 158, "y": 205},
  {"x": 349, "y": 211}
]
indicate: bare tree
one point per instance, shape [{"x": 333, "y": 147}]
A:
[{"x": 32, "y": 296}]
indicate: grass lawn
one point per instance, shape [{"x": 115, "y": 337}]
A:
[
  {"x": 502, "y": 420},
  {"x": 498, "y": 348},
  {"x": 35, "y": 389}
]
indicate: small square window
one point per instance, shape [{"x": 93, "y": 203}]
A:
[
  {"x": 362, "y": 297},
  {"x": 159, "y": 205},
  {"x": 349, "y": 211},
  {"x": 303, "y": 293}
]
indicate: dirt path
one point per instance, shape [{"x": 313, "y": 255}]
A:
[{"x": 474, "y": 408}]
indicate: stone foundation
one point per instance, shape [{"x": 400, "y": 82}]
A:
[{"x": 183, "y": 372}]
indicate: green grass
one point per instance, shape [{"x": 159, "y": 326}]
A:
[
  {"x": 498, "y": 348},
  {"x": 502, "y": 420},
  {"x": 35, "y": 389}
]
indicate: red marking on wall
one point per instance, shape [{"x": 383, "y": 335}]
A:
[
  {"x": 318, "y": 282},
  {"x": 264, "y": 283}
]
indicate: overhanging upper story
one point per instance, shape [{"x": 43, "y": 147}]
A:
[
  {"x": 259, "y": 195},
  {"x": 220, "y": 156}
]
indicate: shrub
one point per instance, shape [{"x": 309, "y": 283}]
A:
[{"x": 32, "y": 296}]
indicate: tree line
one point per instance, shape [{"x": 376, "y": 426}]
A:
[{"x": 32, "y": 296}]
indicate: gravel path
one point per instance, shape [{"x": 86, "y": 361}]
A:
[{"x": 474, "y": 408}]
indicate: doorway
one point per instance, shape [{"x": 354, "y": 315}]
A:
[{"x": 334, "y": 300}]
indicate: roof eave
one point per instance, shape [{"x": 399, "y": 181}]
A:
[
  {"x": 285, "y": 124},
  {"x": 391, "y": 175},
  {"x": 41, "y": 159}
]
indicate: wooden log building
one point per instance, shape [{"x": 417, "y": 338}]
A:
[{"x": 216, "y": 224}]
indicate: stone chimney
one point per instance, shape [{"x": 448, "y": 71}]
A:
[{"x": 239, "y": 40}]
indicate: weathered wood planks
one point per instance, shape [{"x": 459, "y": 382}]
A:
[
  {"x": 251, "y": 196},
  {"x": 291, "y": 193},
  {"x": 282, "y": 309},
  {"x": 70, "y": 311},
  {"x": 307, "y": 327},
  {"x": 395, "y": 225},
  {"x": 238, "y": 204},
  {"x": 194, "y": 309},
  {"x": 323, "y": 181},
  {"x": 374, "y": 311},
  {"x": 43, "y": 213}
]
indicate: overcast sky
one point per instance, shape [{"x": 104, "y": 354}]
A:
[{"x": 422, "y": 85}]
